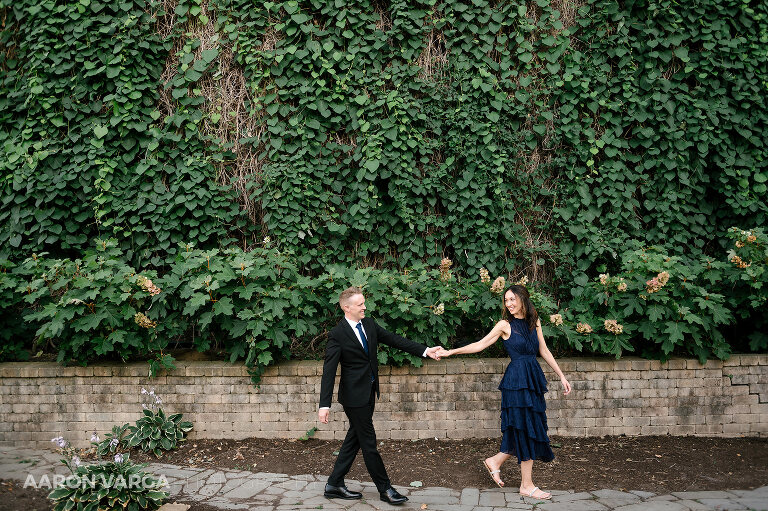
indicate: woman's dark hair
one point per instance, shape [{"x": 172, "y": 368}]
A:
[{"x": 531, "y": 316}]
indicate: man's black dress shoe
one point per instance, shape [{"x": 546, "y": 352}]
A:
[
  {"x": 392, "y": 496},
  {"x": 341, "y": 492}
]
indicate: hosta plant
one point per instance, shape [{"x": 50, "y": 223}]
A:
[
  {"x": 158, "y": 432},
  {"x": 116, "y": 484}
]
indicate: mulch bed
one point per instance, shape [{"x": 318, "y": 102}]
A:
[{"x": 660, "y": 464}]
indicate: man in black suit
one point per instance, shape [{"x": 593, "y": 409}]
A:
[{"x": 353, "y": 343}]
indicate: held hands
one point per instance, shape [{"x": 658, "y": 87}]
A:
[
  {"x": 434, "y": 352},
  {"x": 442, "y": 352}
]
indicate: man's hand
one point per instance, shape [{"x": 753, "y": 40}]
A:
[
  {"x": 433, "y": 352},
  {"x": 442, "y": 352},
  {"x": 324, "y": 415}
]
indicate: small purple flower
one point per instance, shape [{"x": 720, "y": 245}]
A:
[
  {"x": 143, "y": 390},
  {"x": 152, "y": 392},
  {"x": 144, "y": 406},
  {"x": 76, "y": 461},
  {"x": 59, "y": 440},
  {"x": 118, "y": 458},
  {"x": 95, "y": 437},
  {"x": 158, "y": 401},
  {"x": 114, "y": 442}
]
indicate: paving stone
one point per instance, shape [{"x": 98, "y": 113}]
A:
[
  {"x": 694, "y": 506},
  {"x": 612, "y": 503},
  {"x": 433, "y": 490},
  {"x": 614, "y": 494},
  {"x": 209, "y": 490},
  {"x": 177, "y": 472},
  {"x": 643, "y": 494},
  {"x": 305, "y": 477},
  {"x": 492, "y": 499},
  {"x": 446, "y": 507},
  {"x": 238, "y": 475},
  {"x": 230, "y": 485},
  {"x": 430, "y": 500},
  {"x": 291, "y": 485},
  {"x": 662, "y": 497},
  {"x": 470, "y": 497},
  {"x": 566, "y": 497},
  {"x": 174, "y": 507},
  {"x": 698, "y": 495},
  {"x": 722, "y": 504},
  {"x": 225, "y": 504},
  {"x": 517, "y": 505},
  {"x": 217, "y": 478},
  {"x": 754, "y": 503},
  {"x": 654, "y": 505},
  {"x": 248, "y": 488},
  {"x": 573, "y": 505}
]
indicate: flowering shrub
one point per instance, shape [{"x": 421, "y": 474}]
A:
[
  {"x": 258, "y": 307},
  {"x": 91, "y": 307},
  {"x": 116, "y": 484},
  {"x": 748, "y": 275},
  {"x": 673, "y": 309}
]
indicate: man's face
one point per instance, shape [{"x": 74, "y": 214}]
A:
[{"x": 354, "y": 308}]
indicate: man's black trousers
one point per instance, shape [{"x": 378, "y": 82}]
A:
[{"x": 361, "y": 435}]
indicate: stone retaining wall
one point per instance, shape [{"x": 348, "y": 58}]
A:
[{"x": 454, "y": 398}]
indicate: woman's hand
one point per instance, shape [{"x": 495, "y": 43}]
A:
[
  {"x": 566, "y": 385},
  {"x": 442, "y": 352}
]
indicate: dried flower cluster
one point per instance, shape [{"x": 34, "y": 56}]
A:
[
  {"x": 622, "y": 286},
  {"x": 613, "y": 326},
  {"x": 147, "y": 285},
  {"x": 143, "y": 321},
  {"x": 439, "y": 309},
  {"x": 485, "y": 277},
  {"x": 583, "y": 328},
  {"x": 657, "y": 282},
  {"x": 445, "y": 269},
  {"x": 498, "y": 285},
  {"x": 556, "y": 319},
  {"x": 523, "y": 281},
  {"x": 604, "y": 277},
  {"x": 739, "y": 262}
]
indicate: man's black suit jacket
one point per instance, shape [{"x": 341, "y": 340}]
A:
[{"x": 357, "y": 367}]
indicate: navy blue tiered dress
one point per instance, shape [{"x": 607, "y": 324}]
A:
[{"x": 523, "y": 410}]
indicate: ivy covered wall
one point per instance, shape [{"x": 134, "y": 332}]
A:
[
  {"x": 519, "y": 136},
  {"x": 537, "y": 139}
]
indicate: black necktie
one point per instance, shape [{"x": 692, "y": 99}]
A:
[{"x": 359, "y": 327}]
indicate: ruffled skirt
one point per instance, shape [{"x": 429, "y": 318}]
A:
[{"x": 523, "y": 411}]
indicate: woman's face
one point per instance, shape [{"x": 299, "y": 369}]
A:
[{"x": 513, "y": 305}]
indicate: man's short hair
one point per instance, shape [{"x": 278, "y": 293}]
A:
[{"x": 349, "y": 293}]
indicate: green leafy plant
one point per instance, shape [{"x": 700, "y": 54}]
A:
[
  {"x": 657, "y": 304},
  {"x": 111, "y": 442},
  {"x": 309, "y": 434},
  {"x": 116, "y": 484},
  {"x": 155, "y": 431},
  {"x": 93, "y": 306}
]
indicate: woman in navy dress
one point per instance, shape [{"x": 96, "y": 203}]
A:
[{"x": 523, "y": 417}]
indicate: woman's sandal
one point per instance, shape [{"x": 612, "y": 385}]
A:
[
  {"x": 498, "y": 482},
  {"x": 535, "y": 489}
]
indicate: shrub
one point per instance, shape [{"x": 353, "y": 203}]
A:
[
  {"x": 116, "y": 484},
  {"x": 656, "y": 305}
]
